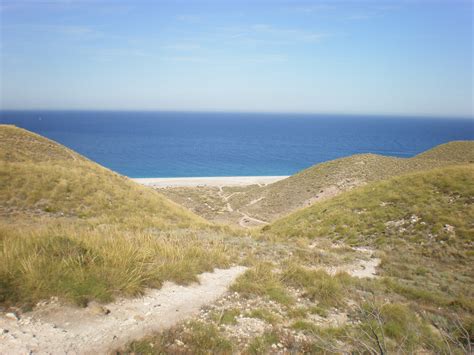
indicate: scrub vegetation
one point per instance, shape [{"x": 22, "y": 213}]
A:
[
  {"x": 307, "y": 295},
  {"x": 380, "y": 260},
  {"x": 73, "y": 229},
  {"x": 315, "y": 184}
]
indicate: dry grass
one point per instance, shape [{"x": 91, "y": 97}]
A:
[
  {"x": 315, "y": 184},
  {"x": 457, "y": 151},
  {"x": 262, "y": 280},
  {"x": 71, "y": 228},
  {"x": 406, "y": 207},
  {"x": 325, "y": 180},
  {"x": 421, "y": 225},
  {"x": 80, "y": 263},
  {"x": 40, "y": 177}
]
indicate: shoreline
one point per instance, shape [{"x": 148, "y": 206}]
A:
[{"x": 214, "y": 181}]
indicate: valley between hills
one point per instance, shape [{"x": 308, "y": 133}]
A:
[{"x": 364, "y": 254}]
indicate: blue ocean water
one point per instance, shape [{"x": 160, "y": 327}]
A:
[{"x": 172, "y": 144}]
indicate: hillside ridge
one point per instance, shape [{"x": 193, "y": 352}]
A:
[
  {"x": 42, "y": 177},
  {"x": 246, "y": 205}
]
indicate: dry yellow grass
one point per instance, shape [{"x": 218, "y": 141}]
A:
[
  {"x": 79, "y": 263},
  {"x": 328, "y": 179},
  {"x": 422, "y": 226},
  {"x": 71, "y": 228},
  {"x": 315, "y": 184},
  {"x": 39, "y": 177}
]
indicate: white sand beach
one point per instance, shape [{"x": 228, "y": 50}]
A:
[{"x": 209, "y": 181}]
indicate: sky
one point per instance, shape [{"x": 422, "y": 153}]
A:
[{"x": 353, "y": 57}]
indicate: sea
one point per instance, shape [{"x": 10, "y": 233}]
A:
[{"x": 192, "y": 144}]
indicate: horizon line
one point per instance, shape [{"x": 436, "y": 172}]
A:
[{"x": 211, "y": 111}]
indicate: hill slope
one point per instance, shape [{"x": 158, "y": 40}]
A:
[
  {"x": 456, "y": 151},
  {"x": 384, "y": 268},
  {"x": 73, "y": 229},
  {"x": 422, "y": 223},
  {"x": 40, "y": 177},
  {"x": 328, "y": 179},
  {"x": 366, "y": 215}
]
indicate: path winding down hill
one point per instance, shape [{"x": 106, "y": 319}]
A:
[{"x": 55, "y": 329}]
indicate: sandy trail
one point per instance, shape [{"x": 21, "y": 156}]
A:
[{"x": 54, "y": 329}]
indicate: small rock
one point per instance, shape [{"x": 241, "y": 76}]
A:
[
  {"x": 12, "y": 316},
  {"x": 3, "y": 331},
  {"x": 179, "y": 342},
  {"x": 274, "y": 346},
  {"x": 97, "y": 309},
  {"x": 448, "y": 228},
  {"x": 25, "y": 321}
]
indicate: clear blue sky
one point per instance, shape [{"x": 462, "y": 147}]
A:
[{"x": 390, "y": 57}]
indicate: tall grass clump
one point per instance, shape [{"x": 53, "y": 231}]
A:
[
  {"x": 262, "y": 280},
  {"x": 80, "y": 264}
]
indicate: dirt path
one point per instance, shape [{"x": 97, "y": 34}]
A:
[
  {"x": 246, "y": 221},
  {"x": 55, "y": 329}
]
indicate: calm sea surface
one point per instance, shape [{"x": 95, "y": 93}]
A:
[{"x": 172, "y": 144}]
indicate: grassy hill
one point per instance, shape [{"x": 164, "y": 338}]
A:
[
  {"x": 326, "y": 180},
  {"x": 366, "y": 215},
  {"x": 42, "y": 178},
  {"x": 412, "y": 238},
  {"x": 71, "y": 228},
  {"x": 421, "y": 224},
  {"x": 457, "y": 151}
]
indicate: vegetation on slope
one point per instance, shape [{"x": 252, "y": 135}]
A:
[
  {"x": 73, "y": 229},
  {"x": 40, "y": 177},
  {"x": 304, "y": 292},
  {"x": 79, "y": 263},
  {"x": 422, "y": 204},
  {"x": 317, "y": 183},
  {"x": 422, "y": 226},
  {"x": 328, "y": 179},
  {"x": 456, "y": 151},
  {"x": 300, "y": 293}
]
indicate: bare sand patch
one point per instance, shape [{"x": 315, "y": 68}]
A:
[{"x": 209, "y": 181}]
